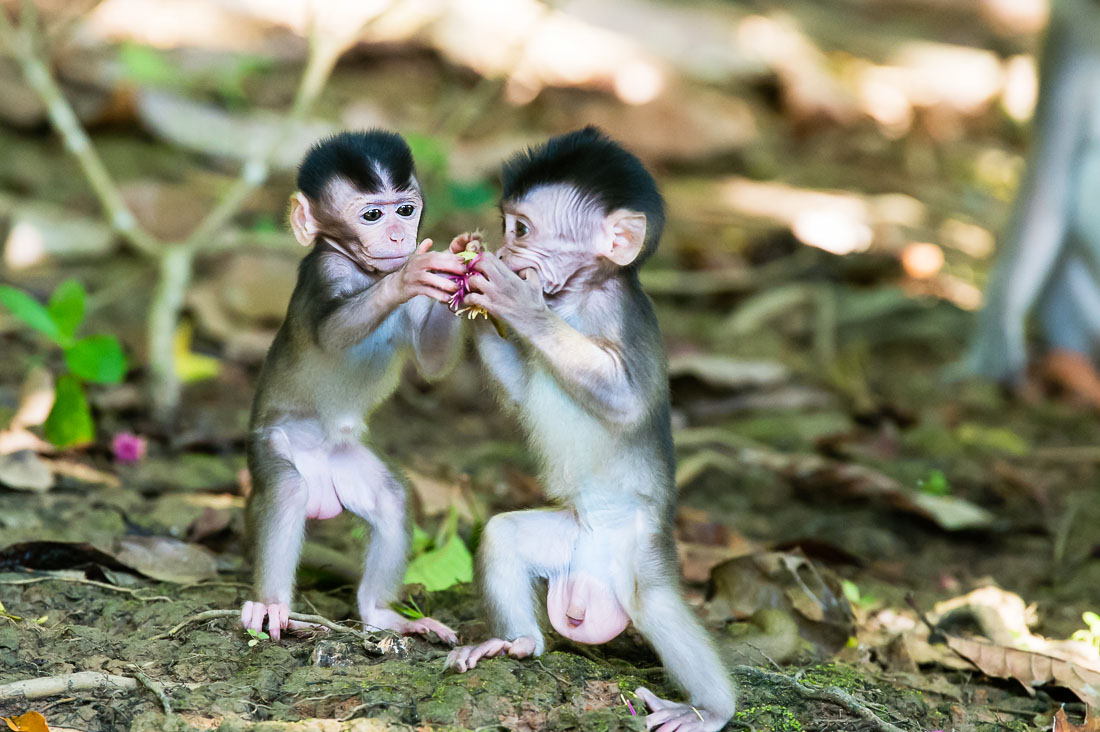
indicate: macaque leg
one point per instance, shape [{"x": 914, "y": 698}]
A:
[
  {"x": 277, "y": 521},
  {"x": 366, "y": 487},
  {"x": 688, "y": 654},
  {"x": 516, "y": 548},
  {"x": 1071, "y": 328}
]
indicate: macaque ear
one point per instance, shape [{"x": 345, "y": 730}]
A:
[
  {"x": 302, "y": 223},
  {"x": 626, "y": 231}
]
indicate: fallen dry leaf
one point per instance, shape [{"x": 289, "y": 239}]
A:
[
  {"x": 29, "y": 722},
  {"x": 1062, "y": 723},
  {"x": 1029, "y": 668}
]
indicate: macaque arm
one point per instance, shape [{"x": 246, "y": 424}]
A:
[
  {"x": 344, "y": 318},
  {"x": 593, "y": 371},
  {"x": 1037, "y": 235},
  {"x": 502, "y": 359},
  {"x": 436, "y": 337}
]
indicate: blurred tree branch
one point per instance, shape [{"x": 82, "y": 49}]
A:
[{"x": 175, "y": 260}]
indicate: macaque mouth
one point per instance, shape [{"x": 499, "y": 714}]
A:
[{"x": 575, "y": 622}]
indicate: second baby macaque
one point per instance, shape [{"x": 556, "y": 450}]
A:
[
  {"x": 584, "y": 368},
  {"x": 368, "y": 296}
]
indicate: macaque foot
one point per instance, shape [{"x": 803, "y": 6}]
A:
[
  {"x": 277, "y": 615},
  {"x": 386, "y": 619},
  {"x": 670, "y": 716},
  {"x": 465, "y": 658},
  {"x": 1073, "y": 374}
]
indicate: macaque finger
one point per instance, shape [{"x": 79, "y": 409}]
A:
[
  {"x": 478, "y": 301},
  {"x": 424, "y": 246},
  {"x": 444, "y": 262},
  {"x": 478, "y": 283},
  {"x": 437, "y": 282},
  {"x": 652, "y": 701}
]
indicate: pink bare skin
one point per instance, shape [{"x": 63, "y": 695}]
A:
[{"x": 464, "y": 658}]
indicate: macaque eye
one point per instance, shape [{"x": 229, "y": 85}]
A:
[
  {"x": 372, "y": 214},
  {"x": 406, "y": 209},
  {"x": 521, "y": 229}
]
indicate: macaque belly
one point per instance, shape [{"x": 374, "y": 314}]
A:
[{"x": 336, "y": 476}]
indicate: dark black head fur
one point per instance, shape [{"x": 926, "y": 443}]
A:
[
  {"x": 596, "y": 166},
  {"x": 357, "y": 157}
]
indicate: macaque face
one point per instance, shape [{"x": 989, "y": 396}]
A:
[
  {"x": 377, "y": 231},
  {"x": 384, "y": 226},
  {"x": 554, "y": 231}
]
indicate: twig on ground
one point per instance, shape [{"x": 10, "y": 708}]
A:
[
  {"x": 335, "y": 627},
  {"x": 76, "y": 580},
  {"x": 831, "y": 695},
  {"x": 157, "y": 689},
  {"x": 65, "y": 684}
]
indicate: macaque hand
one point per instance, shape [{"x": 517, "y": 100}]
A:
[
  {"x": 460, "y": 242},
  {"x": 277, "y": 615},
  {"x": 425, "y": 273},
  {"x": 464, "y": 658},
  {"x": 385, "y": 619},
  {"x": 513, "y": 297},
  {"x": 665, "y": 715}
]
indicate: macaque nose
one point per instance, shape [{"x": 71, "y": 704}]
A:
[{"x": 395, "y": 234}]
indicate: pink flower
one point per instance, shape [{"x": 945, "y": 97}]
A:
[{"x": 128, "y": 447}]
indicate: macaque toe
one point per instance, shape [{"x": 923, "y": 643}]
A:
[
  {"x": 425, "y": 626},
  {"x": 670, "y": 716},
  {"x": 465, "y": 658},
  {"x": 277, "y": 615},
  {"x": 521, "y": 647}
]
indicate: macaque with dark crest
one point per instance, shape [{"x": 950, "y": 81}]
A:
[
  {"x": 368, "y": 296},
  {"x": 584, "y": 367}
]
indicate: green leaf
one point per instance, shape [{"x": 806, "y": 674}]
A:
[
  {"x": 935, "y": 484},
  {"x": 98, "y": 359},
  {"x": 27, "y": 309},
  {"x": 430, "y": 154},
  {"x": 70, "y": 420},
  {"x": 148, "y": 66},
  {"x": 441, "y": 568},
  {"x": 467, "y": 195},
  {"x": 421, "y": 540},
  {"x": 67, "y": 308}
]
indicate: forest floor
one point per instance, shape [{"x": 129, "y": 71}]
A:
[{"x": 835, "y": 475}]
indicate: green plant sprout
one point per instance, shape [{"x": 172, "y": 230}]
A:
[
  {"x": 96, "y": 359},
  {"x": 1091, "y": 635},
  {"x": 257, "y": 636},
  {"x": 935, "y": 484}
]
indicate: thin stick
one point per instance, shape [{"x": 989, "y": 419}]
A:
[
  {"x": 93, "y": 583},
  {"x": 72, "y": 133},
  {"x": 298, "y": 617},
  {"x": 157, "y": 689},
  {"x": 65, "y": 684},
  {"x": 832, "y": 695}
]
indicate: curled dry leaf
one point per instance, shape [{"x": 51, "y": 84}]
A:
[
  {"x": 1029, "y": 668},
  {"x": 1062, "y": 723}
]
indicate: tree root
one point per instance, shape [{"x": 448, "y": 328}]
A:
[
  {"x": 66, "y": 684},
  {"x": 831, "y": 695},
  {"x": 369, "y": 643}
]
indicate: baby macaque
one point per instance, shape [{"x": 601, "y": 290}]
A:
[
  {"x": 367, "y": 297},
  {"x": 1048, "y": 261},
  {"x": 584, "y": 367}
]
